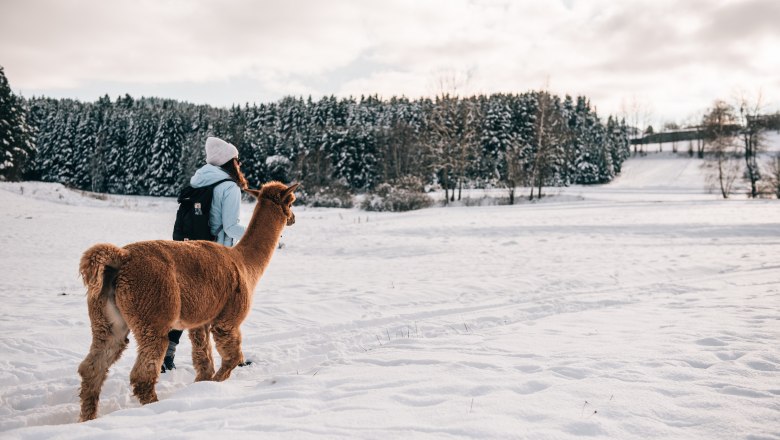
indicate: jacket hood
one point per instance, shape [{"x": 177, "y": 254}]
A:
[{"x": 208, "y": 174}]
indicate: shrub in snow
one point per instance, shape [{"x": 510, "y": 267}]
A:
[
  {"x": 403, "y": 194},
  {"x": 336, "y": 195},
  {"x": 278, "y": 167}
]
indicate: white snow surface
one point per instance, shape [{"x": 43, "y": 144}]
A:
[{"x": 646, "y": 308}]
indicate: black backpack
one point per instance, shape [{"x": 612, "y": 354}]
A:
[{"x": 192, "y": 218}]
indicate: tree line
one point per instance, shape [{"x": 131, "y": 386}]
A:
[
  {"x": 734, "y": 138},
  {"x": 151, "y": 146}
]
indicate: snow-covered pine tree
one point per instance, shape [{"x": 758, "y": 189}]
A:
[
  {"x": 335, "y": 136},
  {"x": 246, "y": 147},
  {"x": 237, "y": 121},
  {"x": 90, "y": 162},
  {"x": 193, "y": 154},
  {"x": 262, "y": 136},
  {"x": 64, "y": 158},
  {"x": 586, "y": 171},
  {"x": 139, "y": 149},
  {"x": 497, "y": 139},
  {"x": 573, "y": 145},
  {"x": 288, "y": 126},
  {"x": 166, "y": 152},
  {"x": 45, "y": 111},
  {"x": 624, "y": 148},
  {"x": 606, "y": 170},
  {"x": 113, "y": 143},
  {"x": 558, "y": 164},
  {"x": 617, "y": 143},
  {"x": 39, "y": 109},
  {"x": 524, "y": 116},
  {"x": 317, "y": 172},
  {"x": 594, "y": 164},
  {"x": 16, "y": 146},
  {"x": 353, "y": 150}
]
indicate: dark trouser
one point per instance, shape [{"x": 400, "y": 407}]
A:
[{"x": 173, "y": 341}]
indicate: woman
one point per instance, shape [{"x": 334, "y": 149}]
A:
[{"x": 221, "y": 163}]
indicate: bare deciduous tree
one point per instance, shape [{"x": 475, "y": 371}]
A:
[
  {"x": 550, "y": 133},
  {"x": 516, "y": 173},
  {"x": 401, "y": 147},
  {"x": 454, "y": 128},
  {"x": 719, "y": 131},
  {"x": 752, "y": 138},
  {"x": 637, "y": 114}
]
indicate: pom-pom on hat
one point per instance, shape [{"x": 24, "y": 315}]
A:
[{"x": 219, "y": 152}]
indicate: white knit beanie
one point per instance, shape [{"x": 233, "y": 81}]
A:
[{"x": 219, "y": 152}]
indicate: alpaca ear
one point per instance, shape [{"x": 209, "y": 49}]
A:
[
  {"x": 253, "y": 192},
  {"x": 290, "y": 189}
]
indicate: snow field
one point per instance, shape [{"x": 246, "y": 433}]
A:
[{"x": 637, "y": 309}]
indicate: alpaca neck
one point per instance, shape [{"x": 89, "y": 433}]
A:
[{"x": 262, "y": 236}]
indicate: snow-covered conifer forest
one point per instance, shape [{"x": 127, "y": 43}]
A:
[{"x": 151, "y": 146}]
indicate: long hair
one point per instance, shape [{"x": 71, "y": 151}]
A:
[{"x": 234, "y": 171}]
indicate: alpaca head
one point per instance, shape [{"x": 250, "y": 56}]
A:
[{"x": 280, "y": 194}]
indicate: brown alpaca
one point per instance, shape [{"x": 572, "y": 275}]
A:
[{"x": 150, "y": 287}]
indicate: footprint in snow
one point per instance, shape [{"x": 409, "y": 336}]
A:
[
  {"x": 762, "y": 366},
  {"x": 712, "y": 342},
  {"x": 729, "y": 355},
  {"x": 531, "y": 387}
]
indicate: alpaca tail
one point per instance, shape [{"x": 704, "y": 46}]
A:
[{"x": 99, "y": 267}]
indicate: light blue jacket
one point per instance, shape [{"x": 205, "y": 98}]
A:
[{"x": 225, "y": 206}]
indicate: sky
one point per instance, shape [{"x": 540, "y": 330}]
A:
[{"x": 655, "y": 60}]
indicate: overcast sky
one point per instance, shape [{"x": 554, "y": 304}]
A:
[{"x": 672, "y": 58}]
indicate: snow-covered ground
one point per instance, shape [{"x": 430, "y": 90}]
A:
[{"x": 646, "y": 308}]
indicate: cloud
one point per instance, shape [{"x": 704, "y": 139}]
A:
[
  {"x": 678, "y": 55},
  {"x": 61, "y": 44},
  {"x": 736, "y": 21}
]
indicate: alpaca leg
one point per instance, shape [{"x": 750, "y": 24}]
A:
[
  {"x": 201, "y": 353},
  {"x": 108, "y": 343},
  {"x": 146, "y": 371},
  {"x": 228, "y": 342}
]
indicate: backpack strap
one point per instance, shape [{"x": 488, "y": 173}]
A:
[{"x": 214, "y": 185}]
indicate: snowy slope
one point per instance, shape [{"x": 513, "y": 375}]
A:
[
  {"x": 771, "y": 141},
  {"x": 660, "y": 177},
  {"x": 639, "y": 309}
]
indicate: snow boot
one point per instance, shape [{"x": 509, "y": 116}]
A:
[
  {"x": 169, "y": 354},
  {"x": 167, "y": 364}
]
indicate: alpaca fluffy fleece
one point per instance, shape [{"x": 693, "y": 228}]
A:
[{"x": 149, "y": 287}]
